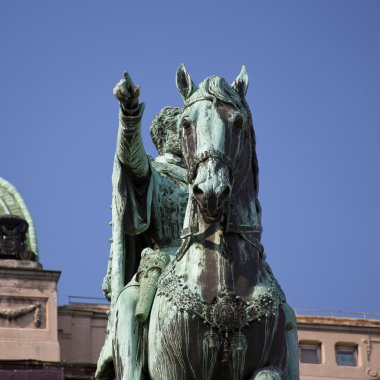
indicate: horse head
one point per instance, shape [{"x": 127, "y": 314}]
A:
[
  {"x": 219, "y": 294},
  {"x": 217, "y": 139}
]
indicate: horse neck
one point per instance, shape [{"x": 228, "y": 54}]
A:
[
  {"x": 214, "y": 259},
  {"x": 244, "y": 212}
]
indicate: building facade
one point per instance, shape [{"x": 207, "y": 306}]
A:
[
  {"x": 338, "y": 348},
  {"x": 331, "y": 348}
]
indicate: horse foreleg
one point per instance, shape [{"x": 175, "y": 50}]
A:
[
  {"x": 169, "y": 347},
  {"x": 292, "y": 343}
]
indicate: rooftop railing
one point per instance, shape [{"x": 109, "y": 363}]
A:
[
  {"x": 337, "y": 313},
  {"x": 88, "y": 300},
  {"x": 299, "y": 312}
]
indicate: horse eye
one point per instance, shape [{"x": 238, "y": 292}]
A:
[
  {"x": 238, "y": 122},
  {"x": 186, "y": 125}
]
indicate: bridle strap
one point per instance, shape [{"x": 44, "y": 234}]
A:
[{"x": 210, "y": 154}]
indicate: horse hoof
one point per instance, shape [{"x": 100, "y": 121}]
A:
[{"x": 267, "y": 374}]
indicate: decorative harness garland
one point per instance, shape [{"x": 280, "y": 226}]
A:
[{"x": 228, "y": 312}]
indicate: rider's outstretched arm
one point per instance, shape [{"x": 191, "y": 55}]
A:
[{"x": 130, "y": 150}]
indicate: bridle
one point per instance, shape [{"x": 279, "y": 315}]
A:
[
  {"x": 209, "y": 154},
  {"x": 234, "y": 168},
  {"x": 216, "y": 155}
]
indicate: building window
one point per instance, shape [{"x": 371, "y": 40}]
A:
[
  {"x": 310, "y": 352},
  {"x": 346, "y": 354}
]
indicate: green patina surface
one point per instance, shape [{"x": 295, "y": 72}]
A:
[
  {"x": 152, "y": 202},
  {"x": 12, "y": 203}
]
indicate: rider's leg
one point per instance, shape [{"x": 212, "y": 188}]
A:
[{"x": 126, "y": 335}]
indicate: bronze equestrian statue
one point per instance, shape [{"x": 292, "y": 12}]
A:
[{"x": 206, "y": 306}]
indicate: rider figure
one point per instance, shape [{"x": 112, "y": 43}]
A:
[{"x": 148, "y": 207}]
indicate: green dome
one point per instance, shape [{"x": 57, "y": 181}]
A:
[{"x": 11, "y": 203}]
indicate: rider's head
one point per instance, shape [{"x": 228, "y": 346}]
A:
[{"x": 166, "y": 132}]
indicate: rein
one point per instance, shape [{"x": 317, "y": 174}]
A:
[
  {"x": 217, "y": 155},
  {"x": 210, "y": 154}
]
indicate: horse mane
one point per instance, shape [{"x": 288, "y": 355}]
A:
[{"x": 218, "y": 88}]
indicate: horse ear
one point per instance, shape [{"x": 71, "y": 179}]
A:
[
  {"x": 240, "y": 84},
  {"x": 184, "y": 83}
]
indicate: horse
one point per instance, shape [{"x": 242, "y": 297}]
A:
[{"x": 218, "y": 312}]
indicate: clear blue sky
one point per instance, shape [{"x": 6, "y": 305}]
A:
[{"x": 314, "y": 70}]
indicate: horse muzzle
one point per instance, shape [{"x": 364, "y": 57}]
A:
[{"x": 212, "y": 188}]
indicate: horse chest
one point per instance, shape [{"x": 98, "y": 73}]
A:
[
  {"x": 220, "y": 263},
  {"x": 183, "y": 346}
]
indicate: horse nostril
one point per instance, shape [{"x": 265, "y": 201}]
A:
[
  {"x": 199, "y": 195},
  {"x": 197, "y": 191},
  {"x": 224, "y": 196}
]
